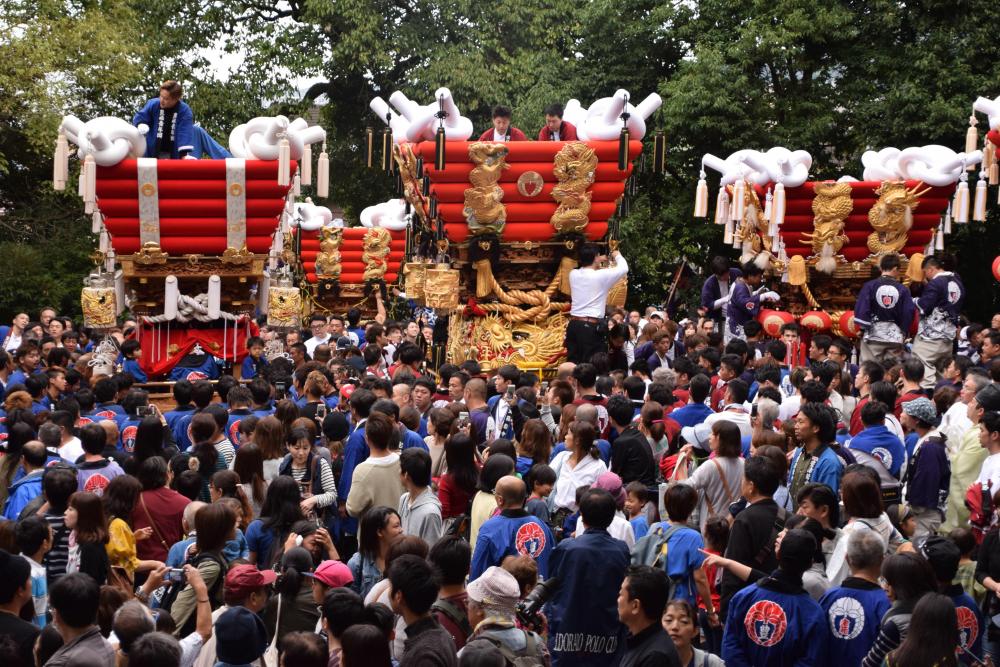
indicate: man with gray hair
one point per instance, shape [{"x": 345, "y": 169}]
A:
[
  {"x": 980, "y": 396},
  {"x": 854, "y": 609},
  {"x": 666, "y": 376},
  {"x": 178, "y": 553},
  {"x": 492, "y": 606},
  {"x": 157, "y": 649}
]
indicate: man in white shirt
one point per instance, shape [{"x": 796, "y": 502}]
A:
[
  {"x": 320, "y": 336},
  {"x": 590, "y": 285},
  {"x": 734, "y": 409},
  {"x": 989, "y": 438}
]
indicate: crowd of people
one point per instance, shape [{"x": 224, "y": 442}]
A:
[{"x": 691, "y": 493}]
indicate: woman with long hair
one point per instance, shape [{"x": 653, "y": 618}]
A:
[
  {"x": 567, "y": 416},
  {"x": 719, "y": 479},
  {"x": 249, "y": 465},
  {"x": 280, "y": 511},
  {"x": 84, "y": 517},
  {"x": 311, "y": 472},
  {"x": 378, "y": 528},
  {"x": 651, "y": 425},
  {"x": 932, "y": 639},
  {"x": 534, "y": 446},
  {"x": 286, "y": 412},
  {"x": 270, "y": 437},
  {"x": 457, "y": 486},
  {"x": 120, "y": 498},
  {"x": 149, "y": 442},
  {"x": 578, "y": 465},
  {"x": 908, "y": 577},
  {"x": 226, "y": 484},
  {"x": 294, "y": 595},
  {"x": 440, "y": 424}
]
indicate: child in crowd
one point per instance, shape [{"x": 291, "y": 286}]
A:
[
  {"x": 635, "y": 503},
  {"x": 255, "y": 363},
  {"x": 131, "y": 354},
  {"x": 541, "y": 479},
  {"x": 966, "y": 575},
  {"x": 679, "y": 622}
]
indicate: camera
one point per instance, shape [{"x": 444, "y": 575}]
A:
[
  {"x": 529, "y": 609},
  {"x": 175, "y": 576}
]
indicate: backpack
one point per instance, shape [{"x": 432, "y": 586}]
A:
[
  {"x": 768, "y": 548},
  {"x": 979, "y": 501},
  {"x": 652, "y": 550},
  {"x": 170, "y": 596},
  {"x": 529, "y": 656},
  {"x": 454, "y": 614}
]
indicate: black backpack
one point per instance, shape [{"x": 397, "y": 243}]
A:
[
  {"x": 170, "y": 596},
  {"x": 529, "y": 656}
]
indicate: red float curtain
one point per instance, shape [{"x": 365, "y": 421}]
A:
[{"x": 156, "y": 339}]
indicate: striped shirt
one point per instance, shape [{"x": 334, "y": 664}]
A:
[
  {"x": 329, "y": 497},
  {"x": 58, "y": 556}
]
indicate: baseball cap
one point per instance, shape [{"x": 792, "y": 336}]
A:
[
  {"x": 344, "y": 342},
  {"x": 942, "y": 554},
  {"x": 346, "y": 391},
  {"x": 496, "y": 591},
  {"x": 988, "y": 398},
  {"x": 332, "y": 573},
  {"x": 612, "y": 483},
  {"x": 697, "y": 435},
  {"x": 240, "y": 636},
  {"x": 245, "y": 579}
]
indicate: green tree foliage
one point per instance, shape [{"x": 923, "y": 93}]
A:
[{"x": 833, "y": 78}]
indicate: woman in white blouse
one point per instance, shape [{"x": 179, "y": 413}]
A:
[{"x": 578, "y": 465}]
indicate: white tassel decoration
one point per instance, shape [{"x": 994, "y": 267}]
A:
[
  {"x": 214, "y": 297},
  {"x": 739, "y": 207},
  {"x": 938, "y": 240},
  {"x": 323, "y": 174},
  {"x": 60, "y": 164},
  {"x": 284, "y": 162},
  {"x": 961, "y": 208},
  {"x": 972, "y": 138},
  {"x": 297, "y": 185},
  {"x": 778, "y": 207},
  {"x": 946, "y": 223},
  {"x": 727, "y": 238},
  {"x": 89, "y": 184},
  {"x": 979, "y": 209},
  {"x": 701, "y": 198},
  {"x": 722, "y": 207},
  {"x": 929, "y": 250},
  {"x": 827, "y": 263},
  {"x": 947, "y": 217},
  {"x": 306, "y": 165},
  {"x": 81, "y": 183},
  {"x": 171, "y": 292}
]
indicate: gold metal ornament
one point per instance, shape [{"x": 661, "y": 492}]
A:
[
  {"x": 831, "y": 206},
  {"x": 484, "y": 210},
  {"x": 414, "y": 279},
  {"x": 376, "y": 250},
  {"x": 235, "y": 190},
  {"x": 150, "y": 253},
  {"x": 328, "y": 262},
  {"x": 441, "y": 287},
  {"x": 284, "y": 306},
  {"x": 574, "y": 167},
  {"x": 147, "y": 189},
  {"x": 98, "y": 304},
  {"x": 530, "y": 184},
  {"x": 237, "y": 257},
  {"x": 892, "y": 216}
]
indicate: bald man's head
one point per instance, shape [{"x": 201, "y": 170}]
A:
[
  {"x": 512, "y": 492},
  {"x": 34, "y": 455},
  {"x": 110, "y": 430},
  {"x": 476, "y": 388},
  {"x": 565, "y": 370},
  {"x": 586, "y": 412}
]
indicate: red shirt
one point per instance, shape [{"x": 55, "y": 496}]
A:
[
  {"x": 454, "y": 499},
  {"x": 856, "y": 424},
  {"x": 453, "y": 629},
  {"x": 167, "y": 507},
  {"x": 906, "y": 398},
  {"x": 567, "y": 132},
  {"x": 515, "y": 135}
]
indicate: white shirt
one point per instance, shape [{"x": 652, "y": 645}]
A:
[
  {"x": 12, "y": 343},
  {"x": 954, "y": 424},
  {"x": 590, "y": 288},
  {"x": 990, "y": 472},
  {"x": 71, "y": 450},
  {"x": 568, "y": 480},
  {"x": 314, "y": 342},
  {"x": 499, "y": 137},
  {"x": 620, "y": 529},
  {"x": 741, "y": 419},
  {"x": 789, "y": 407}
]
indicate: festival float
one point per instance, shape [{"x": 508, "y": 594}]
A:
[
  {"x": 824, "y": 239},
  {"x": 496, "y": 226},
  {"x": 193, "y": 248}
]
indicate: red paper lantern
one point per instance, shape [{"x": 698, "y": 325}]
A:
[
  {"x": 847, "y": 325},
  {"x": 996, "y": 268},
  {"x": 816, "y": 321},
  {"x": 773, "y": 320}
]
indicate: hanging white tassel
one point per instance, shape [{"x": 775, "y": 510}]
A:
[
  {"x": 979, "y": 209},
  {"x": 722, "y": 207},
  {"x": 306, "y": 165},
  {"x": 946, "y": 223},
  {"x": 284, "y": 162},
  {"x": 96, "y": 222},
  {"x": 89, "y": 184},
  {"x": 972, "y": 138},
  {"x": 323, "y": 174},
  {"x": 103, "y": 241},
  {"x": 827, "y": 263},
  {"x": 727, "y": 238},
  {"x": 701, "y": 198},
  {"x": 939, "y": 240},
  {"x": 214, "y": 297},
  {"x": 60, "y": 164},
  {"x": 961, "y": 207},
  {"x": 739, "y": 207},
  {"x": 747, "y": 254},
  {"x": 778, "y": 207},
  {"x": 297, "y": 185},
  {"x": 81, "y": 183}
]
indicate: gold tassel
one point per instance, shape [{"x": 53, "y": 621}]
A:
[
  {"x": 979, "y": 210},
  {"x": 701, "y": 198},
  {"x": 778, "y": 206},
  {"x": 728, "y": 236},
  {"x": 739, "y": 207},
  {"x": 914, "y": 270},
  {"x": 722, "y": 207},
  {"x": 971, "y": 138},
  {"x": 484, "y": 278},
  {"x": 566, "y": 264},
  {"x": 284, "y": 163},
  {"x": 306, "y": 165},
  {"x": 60, "y": 165},
  {"x": 89, "y": 184},
  {"x": 369, "y": 146},
  {"x": 323, "y": 174},
  {"x": 960, "y": 210},
  {"x": 798, "y": 273}
]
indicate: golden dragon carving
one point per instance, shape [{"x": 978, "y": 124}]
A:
[
  {"x": 891, "y": 217},
  {"x": 831, "y": 206},
  {"x": 376, "y": 250},
  {"x": 328, "y": 260},
  {"x": 574, "y": 168},
  {"x": 484, "y": 210}
]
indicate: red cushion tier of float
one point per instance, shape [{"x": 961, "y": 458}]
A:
[
  {"x": 351, "y": 252},
  {"x": 524, "y": 231},
  {"x": 799, "y": 218},
  {"x": 192, "y": 204},
  {"x": 355, "y": 278},
  {"x": 448, "y": 193},
  {"x": 458, "y": 172},
  {"x": 457, "y": 152}
]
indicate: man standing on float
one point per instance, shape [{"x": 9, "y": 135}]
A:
[
  {"x": 884, "y": 313},
  {"x": 167, "y": 124},
  {"x": 587, "y": 330}
]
